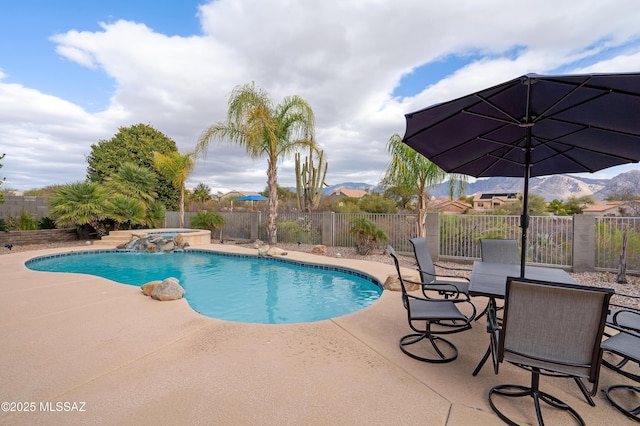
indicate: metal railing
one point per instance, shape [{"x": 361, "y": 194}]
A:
[
  {"x": 549, "y": 241},
  {"x": 610, "y": 233},
  {"x": 549, "y": 238}
]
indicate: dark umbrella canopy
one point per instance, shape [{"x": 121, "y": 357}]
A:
[{"x": 534, "y": 125}]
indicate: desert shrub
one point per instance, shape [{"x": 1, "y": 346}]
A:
[{"x": 367, "y": 235}]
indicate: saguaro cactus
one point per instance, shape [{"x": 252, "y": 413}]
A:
[{"x": 310, "y": 180}]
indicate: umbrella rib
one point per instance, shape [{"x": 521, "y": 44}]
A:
[
  {"x": 501, "y": 120},
  {"x": 513, "y": 120},
  {"x": 590, "y": 126},
  {"x": 543, "y": 114}
]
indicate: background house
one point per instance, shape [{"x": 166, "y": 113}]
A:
[
  {"x": 447, "y": 206},
  {"x": 353, "y": 193},
  {"x": 611, "y": 208},
  {"x": 484, "y": 201}
]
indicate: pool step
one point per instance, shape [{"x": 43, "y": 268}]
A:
[{"x": 116, "y": 238}]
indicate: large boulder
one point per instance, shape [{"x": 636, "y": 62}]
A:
[
  {"x": 148, "y": 288},
  {"x": 319, "y": 249},
  {"x": 392, "y": 283},
  {"x": 168, "y": 289}
]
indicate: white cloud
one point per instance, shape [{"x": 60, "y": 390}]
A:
[{"x": 343, "y": 57}]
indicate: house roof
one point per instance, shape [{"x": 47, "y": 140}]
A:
[
  {"x": 492, "y": 195},
  {"x": 604, "y": 207},
  {"x": 354, "y": 193},
  {"x": 442, "y": 203}
]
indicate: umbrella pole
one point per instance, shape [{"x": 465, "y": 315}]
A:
[{"x": 524, "y": 219}]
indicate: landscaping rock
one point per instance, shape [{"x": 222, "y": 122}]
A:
[
  {"x": 319, "y": 249},
  {"x": 392, "y": 283},
  {"x": 148, "y": 288},
  {"x": 168, "y": 289}
]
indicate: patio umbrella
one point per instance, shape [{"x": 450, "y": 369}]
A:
[
  {"x": 252, "y": 198},
  {"x": 534, "y": 125}
]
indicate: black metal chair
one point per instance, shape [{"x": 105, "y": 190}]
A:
[
  {"x": 430, "y": 279},
  {"x": 549, "y": 329},
  {"x": 625, "y": 345},
  {"x": 426, "y": 316},
  {"x": 493, "y": 250}
]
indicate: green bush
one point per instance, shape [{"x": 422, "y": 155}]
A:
[
  {"x": 46, "y": 223},
  {"x": 25, "y": 222},
  {"x": 367, "y": 235},
  {"x": 207, "y": 220}
]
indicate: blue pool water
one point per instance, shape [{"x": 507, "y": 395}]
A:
[{"x": 232, "y": 287}]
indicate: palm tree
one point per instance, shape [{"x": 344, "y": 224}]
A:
[
  {"x": 408, "y": 168},
  {"x": 264, "y": 130},
  {"x": 79, "y": 204},
  {"x": 133, "y": 181},
  {"x": 176, "y": 168},
  {"x": 125, "y": 210}
]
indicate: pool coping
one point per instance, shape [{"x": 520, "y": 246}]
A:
[{"x": 133, "y": 360}]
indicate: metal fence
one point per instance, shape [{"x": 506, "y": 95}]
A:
[
  {"x": 550, "y": 239},
  {"x": 610, "y": 233}
]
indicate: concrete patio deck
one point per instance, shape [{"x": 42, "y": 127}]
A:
[{"x": 82, "y": 342}]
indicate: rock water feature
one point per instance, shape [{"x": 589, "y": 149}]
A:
[
  {"x": 154, "y": 243},
  {"x": 169, "y": 288}
]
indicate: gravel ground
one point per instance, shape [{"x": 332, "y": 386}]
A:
[{"x": 600, "y": 279}]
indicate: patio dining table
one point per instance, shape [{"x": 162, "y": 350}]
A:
[{"x": 490, "y": 280}]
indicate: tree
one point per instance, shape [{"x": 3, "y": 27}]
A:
[
  {"x": 201, "y": 193},
  {"x": 376, "y": 203},
  {"x": 135, "y": 144},
  {"x": 176, "y": 168},
  {"x": 264, "y": 130},
  {"x": 134, "y": 181},
  {"x": 126, "y": 210},
  {"x": 575, "y": 205},
  {"x": 536, "y": 206},
  {"x": 402, "y": 193},
  {"x": 367, "y": 234},
  {"x": 557, "y": 207},
  {"x": 81, "y": 203},
  {"x": 408, "y": 168}
]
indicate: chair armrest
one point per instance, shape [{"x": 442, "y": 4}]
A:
[
  {"x": 625, "y": 318},
  {"x": 452, "y": 269},
  {"x": 454, "y": 292},
  {"x": 436, "y": 276}
]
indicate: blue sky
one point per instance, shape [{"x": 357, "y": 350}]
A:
[
  {"x": 73, "y": 72},
  {"x": 29, "y": 57}
]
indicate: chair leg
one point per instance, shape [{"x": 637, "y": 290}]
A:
[
  {"x": 440, "y": 345},
  {"x": 632, "y": 413},
  {"x": 584, "y": 391},
  {"x": 516, "y": 391}
]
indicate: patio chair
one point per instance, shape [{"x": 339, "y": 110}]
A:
[
  {"x": 493, "y": 250},
  {"x": 625, "y": 345},
  {"x": 550, "y": 329},
  {"x": 428, "y": 276},
  {"x": 425, "y": 316}
]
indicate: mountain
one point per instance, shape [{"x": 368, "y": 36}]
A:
[
  {"x": 559, "y": 187},
  {"x": 348, "y": 185}
]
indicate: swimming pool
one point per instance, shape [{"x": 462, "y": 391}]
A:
[{"x": 232, "y": 287}]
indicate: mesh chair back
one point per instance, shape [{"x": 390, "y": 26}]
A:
[
  {"x": 393, "y": 254},
  {"x": 423, "y": 259},
  {"x": 499, "y": 251},
  {"x": 553, "y": 326}
]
